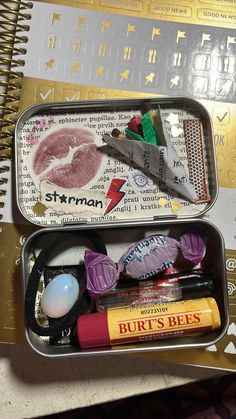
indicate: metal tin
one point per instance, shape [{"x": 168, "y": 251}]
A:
[
  {"x": 127, "y": 226},
  {"x": 118, "y": 237},
  {"x": 37, "y": 119}
]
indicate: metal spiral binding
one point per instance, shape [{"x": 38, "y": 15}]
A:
[{"x": 14, "y": 15}]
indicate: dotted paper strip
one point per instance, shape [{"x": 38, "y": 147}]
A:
[{"x": 197, "y": 169}]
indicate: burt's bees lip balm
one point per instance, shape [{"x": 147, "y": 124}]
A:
[{"x": 126, "y": 325}]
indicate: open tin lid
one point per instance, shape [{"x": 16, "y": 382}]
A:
[{"x": 71, "y": 169}]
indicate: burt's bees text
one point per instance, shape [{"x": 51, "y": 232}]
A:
[{"x": 153, "y": 324}]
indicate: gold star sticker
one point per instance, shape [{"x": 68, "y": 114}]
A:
[
  {"x": 162, "y": 202},
  {"x": 39, "y": 209},
  {"x": 175, "y": 206}
]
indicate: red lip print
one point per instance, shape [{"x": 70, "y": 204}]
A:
[{"x": 67, "y": 157}]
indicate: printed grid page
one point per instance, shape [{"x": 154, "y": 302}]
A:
[{"x": 129, "y": 53}]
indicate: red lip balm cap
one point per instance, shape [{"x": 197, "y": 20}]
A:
[{"x": 92, "y": 330}]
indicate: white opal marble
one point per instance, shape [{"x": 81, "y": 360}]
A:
[{"x": 60, "y": 295}]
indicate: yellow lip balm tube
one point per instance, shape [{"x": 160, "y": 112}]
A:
[{"x": 126, "y": 325}]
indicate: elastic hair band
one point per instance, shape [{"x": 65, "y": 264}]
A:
[{"x": 55, "y": 325}]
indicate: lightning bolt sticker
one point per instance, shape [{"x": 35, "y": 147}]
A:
[{"x": 114, "y": 194}]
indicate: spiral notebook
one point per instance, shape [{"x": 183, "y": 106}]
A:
[{"x": 82, "y": 50}]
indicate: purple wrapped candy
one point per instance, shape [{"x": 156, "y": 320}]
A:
[
  {"x": 193, "y": 246},
  {"x": 102, "y": 273},
  {"x": 149, "y": 256}
]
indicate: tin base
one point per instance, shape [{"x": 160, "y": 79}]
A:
[{"x": 117, "y": 239}]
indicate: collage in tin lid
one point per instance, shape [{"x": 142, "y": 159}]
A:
[{"x": 132, "y": 160}]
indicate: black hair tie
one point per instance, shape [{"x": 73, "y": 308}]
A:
[{"x": 55, "y": 325}]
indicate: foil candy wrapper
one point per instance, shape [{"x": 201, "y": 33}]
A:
[
  {"x": 135, "y": 125},
  {"x": 193, "y": 246},
  {"x": 142, "y": 260},
  {"x": 102, "y": 273},
  {"x": 149, "y": 256}
]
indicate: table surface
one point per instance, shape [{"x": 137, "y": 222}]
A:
[{"x": 32, "y": 385}]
